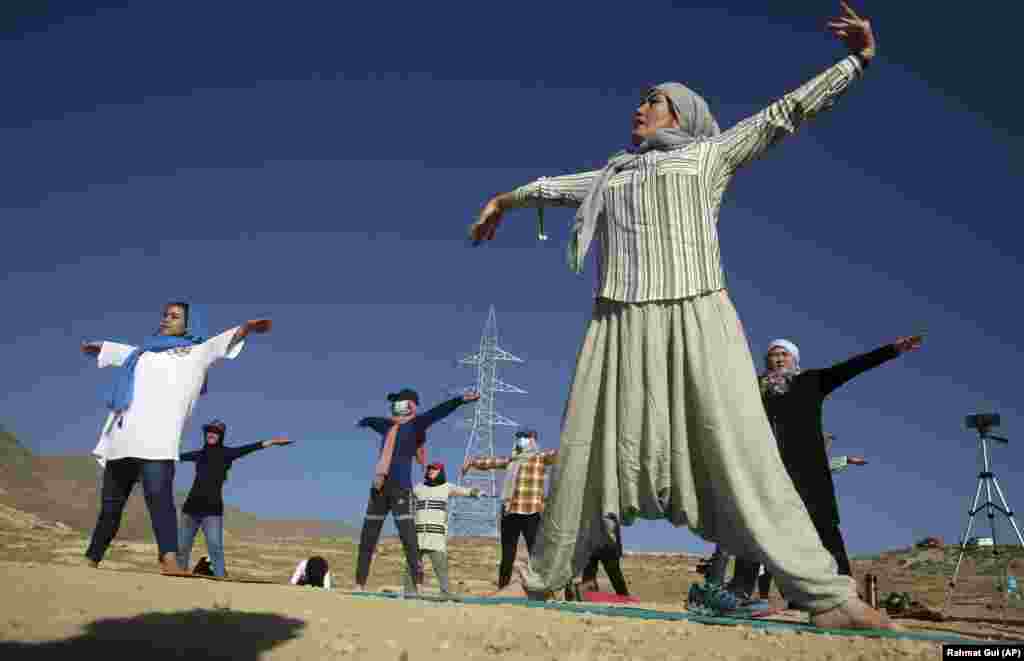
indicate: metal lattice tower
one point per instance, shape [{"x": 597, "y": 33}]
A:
[{"x": 471, "y": 516}]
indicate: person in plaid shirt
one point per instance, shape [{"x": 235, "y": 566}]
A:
[{"x": 522, "y": 498}]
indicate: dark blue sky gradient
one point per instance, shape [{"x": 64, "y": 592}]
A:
[{"x": 319, "y": 164}]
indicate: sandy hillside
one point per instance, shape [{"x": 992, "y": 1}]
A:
[
  {"x": 57, "y": 608},
  {"x": 60, "y": 612}
]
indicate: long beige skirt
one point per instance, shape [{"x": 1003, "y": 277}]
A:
[{"x": 664, "y": 421}]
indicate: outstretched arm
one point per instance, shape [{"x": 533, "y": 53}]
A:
[
  {"x": 379, "y": 425},
  {"x": 108, "y": 353},
  {"x": 256, "y": 326},
  {"x": 752, "y": 137},
  {"x": 444, "y": 409},
  {"x": 242, "y": 450},
  {"x": 841, "y": 463},
  {"x": 837, "y": 375},
  {"x": 229, "y": 344},
  {"x": 485, "y": 463},
  {"x": 565, "y": 191}
]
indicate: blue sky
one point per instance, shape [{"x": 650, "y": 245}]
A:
[{"x": 319, "y": 166}]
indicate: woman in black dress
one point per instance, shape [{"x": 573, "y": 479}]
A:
[{"x": 793, "y": 399}]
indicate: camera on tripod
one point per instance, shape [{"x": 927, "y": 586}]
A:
[{"x": 982, "y": 421}]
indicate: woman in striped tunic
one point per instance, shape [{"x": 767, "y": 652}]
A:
[
  {"x": 664, "y": 419},
  {"x": 432, "y": 523}
]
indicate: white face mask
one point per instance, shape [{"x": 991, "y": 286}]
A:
[
  {"x": 401, "y": 407},
  {"x": 522, "y": 444}
]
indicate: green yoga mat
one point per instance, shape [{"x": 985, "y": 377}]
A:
[{"x": 650, "y": 614}]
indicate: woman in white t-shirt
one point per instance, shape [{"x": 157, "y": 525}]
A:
[{"x": 152, "y": 396}]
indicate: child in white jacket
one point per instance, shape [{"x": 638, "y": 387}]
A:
[{"x": 432, "y": 521}]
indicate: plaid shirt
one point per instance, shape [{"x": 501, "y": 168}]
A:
[{"x": 528, "y": 494}]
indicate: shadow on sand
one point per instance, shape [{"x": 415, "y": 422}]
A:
[{"x": 198, "y": 634}]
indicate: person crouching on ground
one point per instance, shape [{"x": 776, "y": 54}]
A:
[{"x": 312, "y": 572}]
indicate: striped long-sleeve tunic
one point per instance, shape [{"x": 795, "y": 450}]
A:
[
  {"x": 657, "y": 237},
  {"x": 432, "y": 514}
]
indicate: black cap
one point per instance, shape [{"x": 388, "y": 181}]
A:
[
  {"x": 523, "y": 433},
  {"x": 404, "y": 394},
  {"x": 216, "y": 425}
]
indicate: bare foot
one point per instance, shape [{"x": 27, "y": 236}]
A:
[
  {"x": 854, "y": 614},
  {"x": 359, "y": 588}
]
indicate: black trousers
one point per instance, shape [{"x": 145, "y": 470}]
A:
[
  {"x": 119, "y": 477},
  {"x": 745, "y": 575},
  {"x": 610, "y": 559},
  {"x": 718, "y": 565},
  {"x": 399, "y": 503},
  {"x": 513, "y": 525}
]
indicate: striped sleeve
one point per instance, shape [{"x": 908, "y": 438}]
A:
[
  {"x": 752, "y": 137},
  {"x": 464, "y": 492},
  {"x": 838, "y": 464},
  {"x": 490, "y": 463},
  {"x": 565, "y": 191}
]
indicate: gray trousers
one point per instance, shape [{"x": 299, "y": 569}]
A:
[
  {"x": 439, "y": 561},
  {"x": 664, "y": 421}
]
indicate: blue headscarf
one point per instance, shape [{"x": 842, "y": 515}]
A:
[{"x": 119, "y": 397}]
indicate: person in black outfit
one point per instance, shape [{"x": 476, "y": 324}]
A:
[
  {"x": 403, "y": 439},
  {"x": 793, "y": 400},
  {"x": 609, "y": 556},
  {"x": 204, "y": 507}
]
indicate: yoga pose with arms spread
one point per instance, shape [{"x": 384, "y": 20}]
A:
[
  {"x": 664, "y": 419},
  {"x": 794, "y": 401},
  {"x": 155, "y": 387},
  {"x": 204, "y": 507},
  {"x": 403, "y": 439}
]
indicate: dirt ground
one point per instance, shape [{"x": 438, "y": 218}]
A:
[
  {"x": 56, "y": 607},
  {"x": 58, "y": 611}
]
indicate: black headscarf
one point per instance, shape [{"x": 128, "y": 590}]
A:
[{"x": 316, "y": 570}]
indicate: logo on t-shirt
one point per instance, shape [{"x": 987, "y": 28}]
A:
[{"x": 180, "y": 351}]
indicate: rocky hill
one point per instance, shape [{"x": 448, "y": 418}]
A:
[{"x": 65, "y": 489}]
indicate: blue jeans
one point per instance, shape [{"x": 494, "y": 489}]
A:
[
  {"x": 213, "y": 531},
  {"x": 119, "y": 476}
]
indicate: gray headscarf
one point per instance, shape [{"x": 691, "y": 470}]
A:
[{"x": 695, "y": 122}]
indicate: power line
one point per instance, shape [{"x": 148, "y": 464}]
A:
[{"x": 470, "y": 516}]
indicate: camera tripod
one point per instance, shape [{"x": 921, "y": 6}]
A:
[{"x": 987, "y": 479}]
